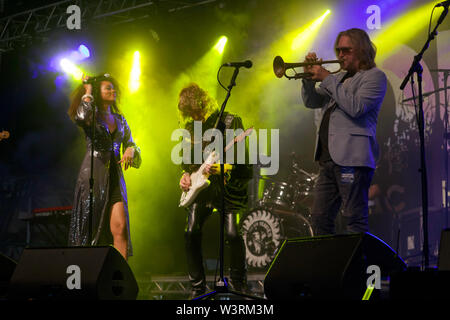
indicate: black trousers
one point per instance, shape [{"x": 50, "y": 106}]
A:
[
  {"x": 197, "y": 215},
  {"x": 338, "y": 186}
]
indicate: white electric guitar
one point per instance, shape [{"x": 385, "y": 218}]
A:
[{"x": 199, "y": 179}]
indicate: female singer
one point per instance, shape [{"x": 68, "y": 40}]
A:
[{"x": 110, "y": 218}]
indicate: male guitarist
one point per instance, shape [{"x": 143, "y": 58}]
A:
[{"x": 196, "y": 105}]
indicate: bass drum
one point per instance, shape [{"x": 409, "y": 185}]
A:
[{"x": 265, "y": 229}]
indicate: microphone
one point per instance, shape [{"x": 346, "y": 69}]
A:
[
  {"x": 95, "y": 79},
  {"x": 443, "y": 4},
  {"x": 90, "y": 80},
  {"x": 246, "y": 64}
]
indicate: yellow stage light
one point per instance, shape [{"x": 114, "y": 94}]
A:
[
  {"x": 401, "y": 30},
  {"x": 135, "y": 74},
  {"x": 309, "y": 32},
  {"x": 220, "y": 46},
  {"x": 204, "y": 71}
]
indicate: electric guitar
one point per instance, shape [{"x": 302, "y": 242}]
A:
[
  {"x": 199, "y": 179},
  {"x": 4, "y": 135}
]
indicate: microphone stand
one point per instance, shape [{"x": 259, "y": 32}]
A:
[
  {"x": 446, "y": 73},
  {"x": 221, "y": 286},
  {"x": 446, "y": 135},
  {"x": 91, "y": 178},
  {"x": 417, "y": 68}
]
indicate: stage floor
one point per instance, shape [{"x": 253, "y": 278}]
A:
[
  {"x": 177, "y": 287},
  {"x": 173, "y": 287}
]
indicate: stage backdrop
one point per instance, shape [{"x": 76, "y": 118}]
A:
[{"x": 41, "y": 158}]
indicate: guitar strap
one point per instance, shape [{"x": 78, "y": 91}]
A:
[{"x": 228, "y": 120}]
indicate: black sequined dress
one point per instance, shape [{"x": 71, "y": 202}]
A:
[{"x": 106, "y": 156}]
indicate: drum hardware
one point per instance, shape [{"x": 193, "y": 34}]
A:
[
  {"x": 265, "y": 229},
  {"x": 282, "y": 212}
]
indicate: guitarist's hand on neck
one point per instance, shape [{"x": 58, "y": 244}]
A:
[
  {"x": 211, "y": 169},
  {"x": 215, "y": 168}
]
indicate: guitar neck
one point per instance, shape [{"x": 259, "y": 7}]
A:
[{"x": 214, "y": 154}]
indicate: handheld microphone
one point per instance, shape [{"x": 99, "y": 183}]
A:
[
  {"x": 90, "y": 80},
  {"x": 95, "y": 79},
  {"x": 246, "y": 64}
]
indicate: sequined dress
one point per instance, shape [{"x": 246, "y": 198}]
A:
[{"x": 106, "y": 156}]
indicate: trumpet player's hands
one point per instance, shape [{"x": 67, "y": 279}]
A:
[
  {"x": 318, "y": 73},
  {"x": 310, "y": 57}
]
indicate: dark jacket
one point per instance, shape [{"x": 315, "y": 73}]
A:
[
  {"x": 236, "y": 195},
  {"x": 106, "y": 156}
]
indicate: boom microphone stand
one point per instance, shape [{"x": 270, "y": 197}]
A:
[
  {"x": 446, "y": 136},
  {"x": 221, "y": 286},
  {"x": 446, "y": 73},
  {"x": 417, "y": 68}
]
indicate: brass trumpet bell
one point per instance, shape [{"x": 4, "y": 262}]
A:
[{"x": 280, "y": 67}]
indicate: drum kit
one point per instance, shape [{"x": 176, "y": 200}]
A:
[{"x": 282, "y": 212}]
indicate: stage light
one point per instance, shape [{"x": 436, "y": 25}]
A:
[
  {"x": 70, "y": 68},
  {"x": 135, "y": 73},
  {"x": 309, "y": 32},
  {"x": 220, "y": 46},
  {"x": 402, "y": 30},
  {"x": 204, "y": 71},
  {"x": 85, "y": 53}
]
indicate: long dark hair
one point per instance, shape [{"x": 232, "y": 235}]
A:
[
  {"x": 365, "y": 49},
  {"x": 79, "y": 92}
]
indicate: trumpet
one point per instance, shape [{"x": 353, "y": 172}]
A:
[{"x": 280, "y": 67}]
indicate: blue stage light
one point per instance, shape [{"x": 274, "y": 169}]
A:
[{"x": 84, "y": 51}]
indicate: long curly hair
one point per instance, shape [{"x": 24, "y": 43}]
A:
[
  {"x": 193, "y": 100},
  {"x": 76, "y": 95},
  {"x": 364, "y": 47}
]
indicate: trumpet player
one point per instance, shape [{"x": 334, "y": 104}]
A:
[{"x": 346, "y": 146}]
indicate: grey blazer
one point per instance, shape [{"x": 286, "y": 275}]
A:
[{"x": 353, "y": 123}]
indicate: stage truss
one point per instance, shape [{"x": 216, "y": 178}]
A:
[
  {"x": 178, "y": 287},
  {"x": 23, "y": 28}
]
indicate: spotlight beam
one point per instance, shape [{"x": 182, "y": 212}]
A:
[
  {"x": 70, "y": 68},
  {"x": 135, "y": 73}
]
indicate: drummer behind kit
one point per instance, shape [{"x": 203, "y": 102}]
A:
[{"x": 282, "y": 213}]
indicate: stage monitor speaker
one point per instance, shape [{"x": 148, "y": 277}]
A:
[
  {"x": 444, "y": 251},
  {"x": 7, "y": 266},
  {"x": 86, "y": 273},
  {"x": 328, "y": 267}
]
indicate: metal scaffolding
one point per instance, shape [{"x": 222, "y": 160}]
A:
[
  {"x": 20, "y": 29},
  {"x": 178, "y": 287}
]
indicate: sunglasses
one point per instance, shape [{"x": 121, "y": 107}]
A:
[{"x": 344, "y": 50}]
